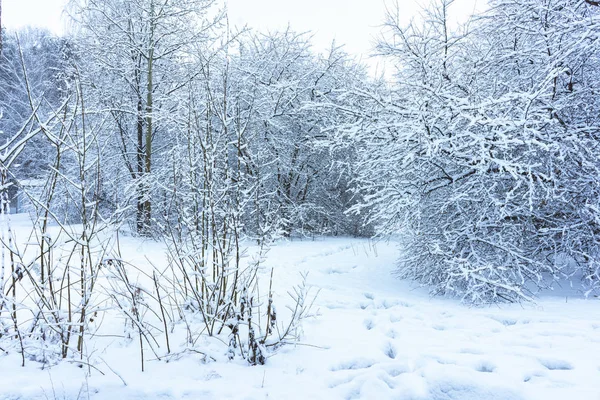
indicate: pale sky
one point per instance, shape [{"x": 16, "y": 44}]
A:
[{"x": 350, "y": 22}]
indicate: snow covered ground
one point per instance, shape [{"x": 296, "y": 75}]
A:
[{"x": 375, "y": 337}]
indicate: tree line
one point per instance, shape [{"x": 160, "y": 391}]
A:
[{"x": 477, "y": 151}]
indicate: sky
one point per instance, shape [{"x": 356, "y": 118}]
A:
[{"x": 354, "y": 23}]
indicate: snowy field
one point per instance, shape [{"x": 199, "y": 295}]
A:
[{"x": 373, "y": 337}]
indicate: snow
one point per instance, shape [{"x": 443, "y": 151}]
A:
[{"x": 372, "y": 337}]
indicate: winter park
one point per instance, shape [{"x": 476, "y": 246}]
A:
[{"x": 326, "y": 199}]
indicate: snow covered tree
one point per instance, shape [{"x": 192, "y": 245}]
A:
[
  {"x": 257, "y": 111},
  {"x": 136, "y": 79},
  {"x": 480, "y": 154},
  {"x": 291, "y": 85},
  {"x": 43, "y": 58}
]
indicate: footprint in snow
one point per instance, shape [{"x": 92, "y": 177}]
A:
[
  {"x": 390, "y": 350},
  {"x": 397, "y": 370},
  {"x": 339, "y": 382},
  {"x": 369, "y": 324},
  {"x": 212, "y": 375},
  {"x": 533, "y": 375},
  {"x": 335, "y": 271},
  {"x": 335, "y": 305},
  {"x": 486, "y": 366},
  {"x": 358, "y": 363},
  {"x": 353, "y": 394},
  {"x": 388, "y": 381},
  {"x": 556, "y": 365},
  {"x": 509, "y": 321},
  {"x": 374, "y": 388},
  {"x": 470, "y": 351},
  {"x": 387, "y": 304},
  {"x": 395, "y": 318}
]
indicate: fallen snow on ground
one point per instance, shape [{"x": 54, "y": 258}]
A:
[{"x": 375, "y": 337}]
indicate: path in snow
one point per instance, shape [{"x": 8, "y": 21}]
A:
[{"x": 386, "y": 340}]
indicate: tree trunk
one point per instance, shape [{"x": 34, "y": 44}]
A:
[
  {"x": 140, "y": 165},
  {"x": 149, "y": 122}
]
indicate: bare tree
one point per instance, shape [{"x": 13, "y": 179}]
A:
[{"x": 136, "y": 78}]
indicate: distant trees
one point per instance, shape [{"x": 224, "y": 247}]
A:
[
  {"x": 287, "y": 119},
  {"x": 249, "y": 142},
  {"x": 239, "y": 107}
]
